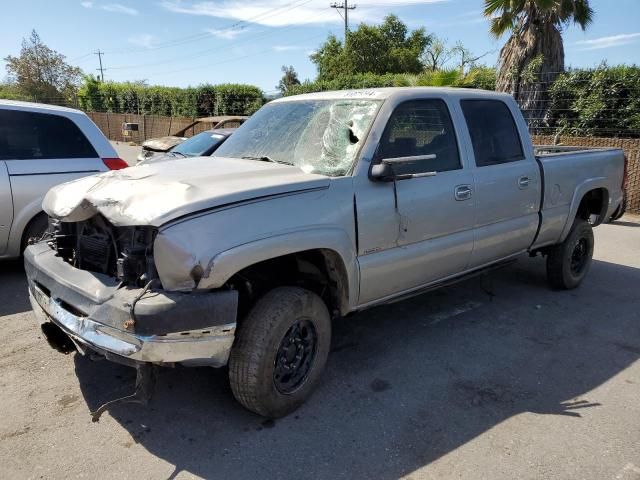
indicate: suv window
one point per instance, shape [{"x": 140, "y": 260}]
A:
[
  {"x": 421, "y": 127},
  {"x": 493, "y": 132},
  {"x": 30, "y": 135}
]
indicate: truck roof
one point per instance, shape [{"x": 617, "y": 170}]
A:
[{"x": 388, "y": 92}]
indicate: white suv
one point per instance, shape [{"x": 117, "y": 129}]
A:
[{"x": 42, "y": 146}]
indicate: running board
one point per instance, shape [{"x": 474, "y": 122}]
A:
[{"x": 446, "y": 283}]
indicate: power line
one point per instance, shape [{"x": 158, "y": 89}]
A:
[
  {"x": 232, "y": 59},
  {"x": 101, "y": 69},
  {"x": 198, "y": 54},
  {"x": 75, "y": 59},
  {"x": 239, "y": 25},
  {"x": 236, "y": 26},
  {"x": 346, "y": 7}
]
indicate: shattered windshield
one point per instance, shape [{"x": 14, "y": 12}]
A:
[{"x": 318, "y": 136}]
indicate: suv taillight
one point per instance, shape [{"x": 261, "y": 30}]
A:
[
  {"x": 625, "y": 175},
  {"x": 114, "y": 163}
]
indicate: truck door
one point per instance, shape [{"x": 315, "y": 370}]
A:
[
  {"x": 427, "y": 220},
  {"x": 507, "y": 182},
  {"x": 6, "y": 204}
]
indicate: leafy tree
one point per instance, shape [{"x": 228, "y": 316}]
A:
[
  {"x": 466, "y": 59},
  {"x": 42, "y": 73},
  {"x": 9, "y": 91},
  {"x": 288, "y": 80},
  {"x": 379, "y": 49},
  {"x": 535, "y": 27},
  {"x": 436, "y": 55},
  {"x": 91, "y": 98},
  {"x": 330, "y": 59}
]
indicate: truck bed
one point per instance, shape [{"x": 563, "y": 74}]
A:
[{"x": 599, "y": 168}]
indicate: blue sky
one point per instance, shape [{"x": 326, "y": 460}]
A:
[{"x": 189, "y": 42}]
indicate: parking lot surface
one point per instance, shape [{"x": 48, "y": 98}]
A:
[
  {"x": 497, "y": 377},
  {"x": 126, "y": 151}
]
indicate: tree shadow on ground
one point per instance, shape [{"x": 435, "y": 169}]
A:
[{"x": 405, "y": 384}]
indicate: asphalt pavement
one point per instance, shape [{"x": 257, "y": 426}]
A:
[
  {"x": 494, "y": 378},
  {"x": 126, "y": 151}
]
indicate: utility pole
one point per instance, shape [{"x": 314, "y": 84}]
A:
[
  {"x": 346, "y": 7},
  {"x": 99, "y": 53}
]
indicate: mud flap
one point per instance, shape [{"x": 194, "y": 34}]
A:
[{"x": 145, "y": 384}]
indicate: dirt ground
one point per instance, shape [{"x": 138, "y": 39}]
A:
[{"x": 494, "y": 378}]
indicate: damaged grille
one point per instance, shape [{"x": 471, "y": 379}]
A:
[
  {"x": 94, "y": 253},
  {"x": 97, "y": 246}
]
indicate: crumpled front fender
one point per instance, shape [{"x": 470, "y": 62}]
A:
[
  {"x": 174, "y": 262},
  {"x": 181, "y": 270},
  {"x": 229, "y": 262}
]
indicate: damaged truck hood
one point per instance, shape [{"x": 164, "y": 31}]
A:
[{"x": 154, "y": 194}]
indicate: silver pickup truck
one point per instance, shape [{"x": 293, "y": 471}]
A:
[{"x": 318, "y": 206}]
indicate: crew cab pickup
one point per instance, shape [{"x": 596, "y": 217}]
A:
[{"x": 319, "y": 205}]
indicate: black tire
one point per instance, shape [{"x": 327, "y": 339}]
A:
[
  {"x": 569, "y": 261},
  {"x": 262, "y": 344},
  {"x": 36, "y": 228}
]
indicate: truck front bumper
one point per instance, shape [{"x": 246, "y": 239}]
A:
[{"x": 91, "y": 309}]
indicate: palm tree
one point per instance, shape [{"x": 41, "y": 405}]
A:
[{"x": 533, "y": 56}]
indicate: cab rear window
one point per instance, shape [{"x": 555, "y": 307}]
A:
[
  {"x": 32, "y": 136},
  {"x": 493, "y": 131}
]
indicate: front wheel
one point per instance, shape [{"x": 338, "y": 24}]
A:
[
  {"x": 280, "y": 351},
  {"x": 569, "y": 261}
]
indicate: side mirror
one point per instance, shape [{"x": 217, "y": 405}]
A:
[{"x": 383, "y": 171}]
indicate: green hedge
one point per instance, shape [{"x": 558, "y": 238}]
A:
[
  {"x": 11, "y": 92},
  {"x": 599, "y": 102},
  {"x": 128, "y": 97},
  {"x": 604, "y": 101},
  {"x": 480, "y": 77}
]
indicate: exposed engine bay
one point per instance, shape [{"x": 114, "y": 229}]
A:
[{"x": 97, "y": 246}]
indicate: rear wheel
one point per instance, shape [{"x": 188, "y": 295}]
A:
[
  {"x": 280, "y": 351},
  {"x": 569, "y": 261}
]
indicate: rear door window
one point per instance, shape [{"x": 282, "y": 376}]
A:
[
  {"x": 34, "y": 136},
  {"x": 418, "y": 128},
  {"x": 493, "y": 132}
]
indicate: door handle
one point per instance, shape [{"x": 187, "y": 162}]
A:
[
  {"x": 463, "y": 192},
  {"x": 523, "y": 182}
]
